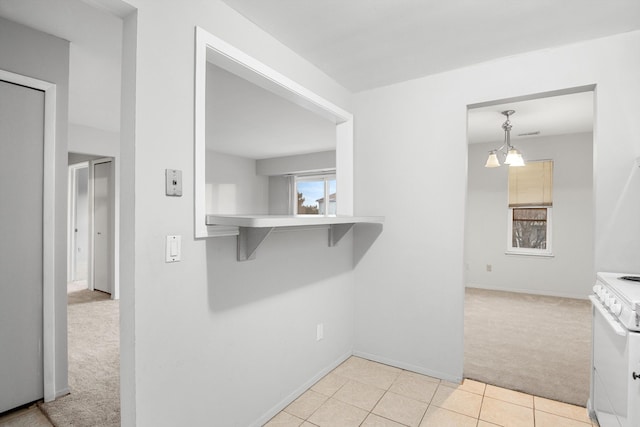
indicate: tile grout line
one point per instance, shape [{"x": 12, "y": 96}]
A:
[
  {"x": 481, "y": 403},
  {"x": 381, "y": 397},
  {"x": 378, "y": 401},
  {"x": 440, "y": 386},
  {"x": 327, "y": 399}
]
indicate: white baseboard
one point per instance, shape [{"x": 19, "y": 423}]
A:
[
  {"x": 374, "y": 358},
  {"x": 295, "y": 394},
  {"x": 409, "y": 367},
  {"x": 548, "y": 293},
  {"x": 63, "y": 392}
]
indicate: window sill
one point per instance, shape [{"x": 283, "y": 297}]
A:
[{"x": 532, "y": 254}]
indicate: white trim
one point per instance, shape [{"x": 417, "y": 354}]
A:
[
  {"x": 299, "y": 391},
  {"x": 529, "y": 252},
  {"x": 540, "y": 292},
  {"x": 114, "y": 283},
  {"x": 71, "y": 217},
  {"x": 409, "y": 367},
  {"x": 548, "y": 252},
  {"x": 325, "y": 178},
  {"x": 216, "y": 51},
  {"x": 91, "y": 230},
  {"x": 48, "y": 227}
]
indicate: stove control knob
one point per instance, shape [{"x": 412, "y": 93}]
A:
[
  {"x": 608, "y": 301},
  {"x": 616, "y": 308},
  {"x": 596, "y": 289}
]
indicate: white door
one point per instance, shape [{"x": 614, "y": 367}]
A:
[
  {"x": 21, "y": 224},
  {"x": 80, "y": 223},
  {"x": 102, "y": 241}
]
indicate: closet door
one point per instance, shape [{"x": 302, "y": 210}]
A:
[
  {"x": 21, "y": 272},
  {"x": 102, "y": 248}
]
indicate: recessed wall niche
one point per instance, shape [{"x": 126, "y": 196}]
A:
[
  {"x": 255, "y": 127},
  {"x": 255, "y": 141}
]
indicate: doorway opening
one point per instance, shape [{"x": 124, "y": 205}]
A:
[
  {"x": 92, "y": 305},
  {"x": 527, "y": 319},
  {"x": 97, "y": 118},
  {"x": 91, "y": 217},
  {"x": 78, "y": 243}
]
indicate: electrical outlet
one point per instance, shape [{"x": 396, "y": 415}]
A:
[
  {"x": 489, "y": 268},
  {"x": 319, "y": 331}
]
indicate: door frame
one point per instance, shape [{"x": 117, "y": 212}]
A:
[
  {"x": 48, "y": 225},
  {"x": 113, "y": 283},
  {"x": 73, "y": 194},
  {"x": 211, "y": 49}
]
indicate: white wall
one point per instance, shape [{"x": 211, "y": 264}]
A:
[
  {"x": 231, "y": 342},
  {"x": 410, "y": 285},
  {"x": 280, "y": 202},
  {"x": 232, "y": 186},
  {"x": 321, "y": 161},
  {"x": 41, "y": 56},
  {"x": 93, "y": 141},
  {"x": 570, "y": 272},
  {"x": 126, "y": 256},
  {"x": 216, "y": 341}
]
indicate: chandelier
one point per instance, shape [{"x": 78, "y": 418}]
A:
[{"x": 512, "y": 157}]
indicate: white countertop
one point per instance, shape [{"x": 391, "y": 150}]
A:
[{"x": 261, "y": 221}]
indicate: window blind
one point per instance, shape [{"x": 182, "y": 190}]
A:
[{"x": 531, "y": 185}]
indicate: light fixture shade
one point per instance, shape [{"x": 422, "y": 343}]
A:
[
  {"x": 514, "y": 158},
  {"x": 492, "y": 160}
]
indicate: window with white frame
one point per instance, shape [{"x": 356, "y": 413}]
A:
[
  {"x": 530, "y": 208},
  {"x": 315, "y": 195}
]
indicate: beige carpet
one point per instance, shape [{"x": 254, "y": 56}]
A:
[
  {"x": 535, "y": 344},
  {"x": 94, "y": 363}
]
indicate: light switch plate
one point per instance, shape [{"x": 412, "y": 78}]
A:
[
  {"x": 173, "y": 248},
  {"x": 173, "y": 182}
]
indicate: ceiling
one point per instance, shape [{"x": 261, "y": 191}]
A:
[
  {"x": 94, "y": 53},
  {"x": 363, "y": 44},
  {"x": 556, "y": 115},
  {"x": 360, "y": 43},
  {"x": 246, "y": 120}
]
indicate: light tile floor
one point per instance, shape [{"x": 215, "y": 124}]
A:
[{"x": 369, "y": 394}]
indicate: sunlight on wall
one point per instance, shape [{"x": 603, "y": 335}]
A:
[{"x": 222, "y": 198}]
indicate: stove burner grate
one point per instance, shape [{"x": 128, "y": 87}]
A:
[{"x": 630, "y": 278}]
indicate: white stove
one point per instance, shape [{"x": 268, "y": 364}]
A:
[
  {"x": 620, "y": 297},
  {"x": 615, "y": 377}
]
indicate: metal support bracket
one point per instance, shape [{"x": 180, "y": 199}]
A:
[
  {"x": 249, "y": 240},
  {"x": 337, "y": 232}
]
